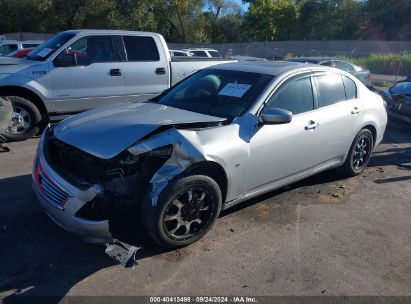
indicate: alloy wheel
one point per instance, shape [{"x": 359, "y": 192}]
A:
[
  {"x": 361, "y": 153},
  {"x": 188, "y": 214},
  {"x": 20, "y": 122}
]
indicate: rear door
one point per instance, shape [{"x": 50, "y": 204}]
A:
[
  {"x": 146, "y": 70},
  {"x": 96, "y": 80},
  {"x": 339, "y": 115}
]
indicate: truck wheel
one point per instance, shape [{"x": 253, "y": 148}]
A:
[
  {"x": 26, "y": 120},
  {"x": 185, "y": 211}
]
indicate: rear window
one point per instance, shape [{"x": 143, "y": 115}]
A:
[
  {"x": 214, "y": 54},
  {"x": 331, "y": 89},
  {"x": 350, "y": 88},
  {"x": 141, "y": 48}
]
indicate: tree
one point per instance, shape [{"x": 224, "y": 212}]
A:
[
  {"x": 388, "y": 20},
  {"x": 60, "y": 15},
  {"x": 271, "y": 19},
  {"x": 329, "y": 19},
  {"x": 20, "y": 16}
]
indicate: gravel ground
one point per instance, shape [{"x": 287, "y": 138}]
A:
[{"x": 322, "y": 236}]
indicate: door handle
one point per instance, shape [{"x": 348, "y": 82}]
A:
[
  {"x": 115, "y": 72},
  {"x": 160, "y": 71},
  {"x": 312, "y": 125},
  {"x": 355, "y": 110}
]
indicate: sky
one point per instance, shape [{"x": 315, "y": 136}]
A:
[{"x": 244, "y": 6}]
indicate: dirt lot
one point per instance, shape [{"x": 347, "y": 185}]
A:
[{"x": 322, "y": 236}]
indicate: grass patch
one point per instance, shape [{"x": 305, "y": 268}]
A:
[{"x": 385, "y": 63}]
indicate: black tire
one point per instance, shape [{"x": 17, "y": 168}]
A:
[
  {"x": 33, "y": 120},
  {"x": 359, "y": 154},
  {"x": 160, "y": 229}
]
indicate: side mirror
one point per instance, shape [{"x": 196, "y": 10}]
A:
[
  {"x": 65, "y": 60},
  {"x": 275, "y": 116}
]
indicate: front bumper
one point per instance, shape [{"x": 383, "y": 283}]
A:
[{"x": 61, "y": 201}]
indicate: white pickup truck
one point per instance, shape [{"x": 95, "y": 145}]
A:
[{"x": 82, "y": 69}]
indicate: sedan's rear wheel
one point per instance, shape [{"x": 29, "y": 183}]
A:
[
  {"x": 186, "y": 210},
  {"x": 359, "y": 154}
]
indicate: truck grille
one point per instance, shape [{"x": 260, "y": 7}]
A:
[{"x": 48, "y": 189}]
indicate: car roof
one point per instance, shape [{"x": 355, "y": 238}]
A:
[
  {"x": 201, "y": 49},
  {"x": 314, "y": 59},
  {"x": 269, "y": 67},
  {"x": 108, "y": 32}
]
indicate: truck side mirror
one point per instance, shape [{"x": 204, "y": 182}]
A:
[{"x": 65, "y": 60}]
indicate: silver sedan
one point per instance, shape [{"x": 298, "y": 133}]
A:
[{"x": 223, "y": 135}]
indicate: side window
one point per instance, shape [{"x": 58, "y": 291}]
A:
[
  {"x": 295, "y": 96},
  {"x": 7, "y": 49},
  {"x": 331, "y": 89},
  {"x": 327, "y": 63},
  {"x": 350, "y": 68},
  {"x": 350, "y": 88},
  {"x": 199, "y": 53},
  {"x": 341, "y": 65},
  {"x": 214, "y": 54},
  {"x": 92, "y": 49},
  {"x": 141, "y": 48}
]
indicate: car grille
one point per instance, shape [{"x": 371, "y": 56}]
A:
[
  {"x": 48, "y": 189},
  {"x": 70, "y": 161}
]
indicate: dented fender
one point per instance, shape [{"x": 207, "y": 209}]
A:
[{"x": 183, "y": 155}]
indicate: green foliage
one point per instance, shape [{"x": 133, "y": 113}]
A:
[
  {"x": 388, "y": 19},
  {"x": 269, "y": 20},
  {"x": 385, "y": 63},
  {"x": 211, "y": 21}
]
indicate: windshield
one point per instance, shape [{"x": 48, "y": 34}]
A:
[
  {"x": 46, "y": 49},
  {"x": 214, "y": 92}
]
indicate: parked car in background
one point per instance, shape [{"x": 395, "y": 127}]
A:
[
  {"x": 360, "y": 73},
  {"x": 221, "y": 136},
  {"x": 20, "y": 53},
  {"x": 398, "y": 99},
  {"x": 82, "y": 69},
  {"x": 179, "y": 53},
  {"x": 247, "y": 58},
  {"x": 9, "y": 46},
  {"x": 204, "y": 52}
]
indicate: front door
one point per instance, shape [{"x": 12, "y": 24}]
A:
[
  {"x": 279, "y": 153},
  {"x": 96, "y": 80}
]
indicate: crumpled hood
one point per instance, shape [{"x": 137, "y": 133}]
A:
[
  {"x": 401, "y": 88},
  {"x": 107, "y": 131}
]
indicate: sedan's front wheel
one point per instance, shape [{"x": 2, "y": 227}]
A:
[
  {"x": 185, "y": 211},
  {"x": 359, "y": 154}
]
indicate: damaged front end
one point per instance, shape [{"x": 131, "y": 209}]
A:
[
  {"x": 122, "y": 180},
  {"x": 121, "y": 184}
]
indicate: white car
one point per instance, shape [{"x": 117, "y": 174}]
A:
[
  {"x": 8, "y": 46},
  {"x": 180, "y": 53},
  {"x": 204, "y": 52}
]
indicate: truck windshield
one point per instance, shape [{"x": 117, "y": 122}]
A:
[
  {"x": 221, "y": 93},
  {"x": 46, "y": 49}
]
